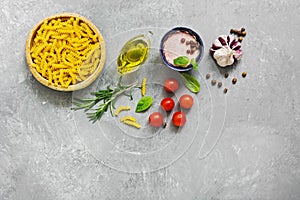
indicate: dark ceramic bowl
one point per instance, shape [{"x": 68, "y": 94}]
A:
[{"x": 190, "y": 32}]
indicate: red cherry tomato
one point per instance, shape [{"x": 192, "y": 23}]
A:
[
  {"x": 186, "y": 101},
  {"x": 167, "y": 104},
  {"x": 171, "y": 85},
  {"x": 156, "y": 119},
  {"x": 179, "y": 118}
]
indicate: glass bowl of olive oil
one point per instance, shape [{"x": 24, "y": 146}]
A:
[{"x": 133, "y": 54}]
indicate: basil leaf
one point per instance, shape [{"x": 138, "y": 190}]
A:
[
  {"x": 143, "y": 104},
  {"x": 181, "y": 61},
  {"x": 194, "y": 64},
  {"x": 190, "y": 82}
]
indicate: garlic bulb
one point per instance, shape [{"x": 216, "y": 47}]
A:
[{"x": 226, "y": 50}]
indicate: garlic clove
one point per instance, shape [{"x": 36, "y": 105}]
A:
[
  {"x": 217, "y": 44},
  {"x": 232, "y": 41},
  {"x": 238, "y": 54},
  {"x": 230, "y": 38},
  {"x": 236, "y": 45},
  {"x": 213, "y": 49},
  {"x": 223, "y": 39}
]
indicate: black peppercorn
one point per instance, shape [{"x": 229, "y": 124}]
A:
[
  {"x": 234, "y": 80},
  {"x": 213, "y": 82},
  {"x": 225, "y": 90},
  {"x": 226, "y": 75},
  {"x": 244, "y": 33},
  {"x": 240, "y": 39}
]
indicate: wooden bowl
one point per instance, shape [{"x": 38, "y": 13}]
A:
[{"x": 79, "y": 85}]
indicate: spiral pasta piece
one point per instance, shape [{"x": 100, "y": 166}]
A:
[
  {"x": 121, "y": 108},
  {"x": 132, "y": 123},
  {"x": 143, "y": 89}
]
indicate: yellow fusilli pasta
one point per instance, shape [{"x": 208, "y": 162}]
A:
[
  {"x": 121, "y": 108},
  {"x": 65, "y": 51},
  {"x": 131, "y": 123},
  {"x": 143, "y": 89},
  {"x": 128, "y": 118}
]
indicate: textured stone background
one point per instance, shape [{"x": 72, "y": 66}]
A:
[{"x": 257, "y": 156}]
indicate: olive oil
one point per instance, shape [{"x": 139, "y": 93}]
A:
[{"x": 133, "y": 54}]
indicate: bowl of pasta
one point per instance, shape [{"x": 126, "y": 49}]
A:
[{"x": 65, "y": 52}]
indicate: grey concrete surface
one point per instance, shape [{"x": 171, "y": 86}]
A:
[{"x": 257, "y": 153}]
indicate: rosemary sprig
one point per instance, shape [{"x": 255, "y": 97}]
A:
[{"x": 107, "y": 97}]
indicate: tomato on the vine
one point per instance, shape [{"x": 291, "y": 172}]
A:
[
  {"x": 186, "y": 101},
  {"x": 179, "y": 118},
  {"x": 167, "y": 104},
  {"x": 156, "y": 119},
  {"x": 171, "y": 85}
]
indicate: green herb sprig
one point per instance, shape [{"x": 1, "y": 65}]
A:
[
  {"x": 107, "y": 97},
  {"x": 183, "y": 61},
  {"x": 143, "y": 104},
  {"x": 190, "y": 82}
]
